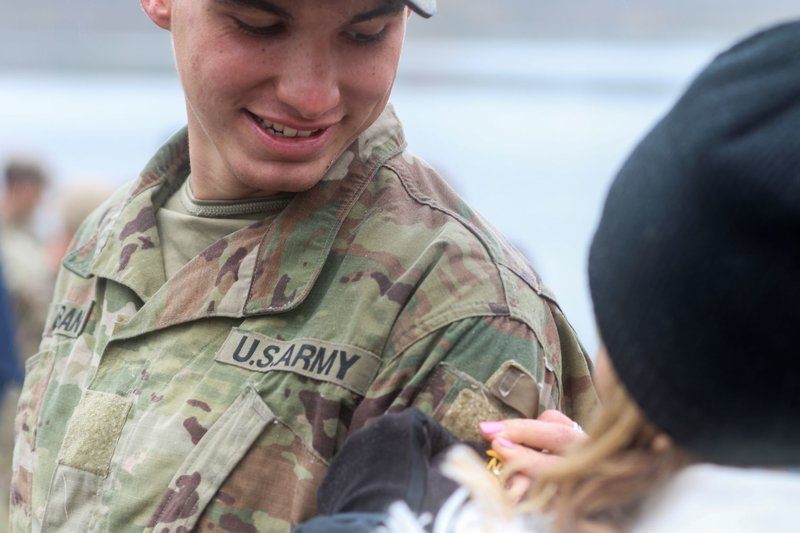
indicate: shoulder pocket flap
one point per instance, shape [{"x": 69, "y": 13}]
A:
[{"x": 516, "y": 388}]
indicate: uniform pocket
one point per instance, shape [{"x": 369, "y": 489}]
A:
[{"x": 210, "y": 462}]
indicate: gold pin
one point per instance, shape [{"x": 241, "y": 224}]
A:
[{"x": 495, "y": 464}]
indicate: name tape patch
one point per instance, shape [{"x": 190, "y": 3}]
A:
[
  {"x": 70, "y": 318},
  {"x": 349, "y": 367}
]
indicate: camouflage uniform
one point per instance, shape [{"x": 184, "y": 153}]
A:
[{"x": 216, "y": 399}]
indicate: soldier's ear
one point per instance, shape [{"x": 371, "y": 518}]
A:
[{"x": 159, "y": 11}]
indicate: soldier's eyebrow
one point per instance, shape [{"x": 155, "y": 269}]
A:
[
  {"x": 388, "y": 7},
  {"x": 261, "y": 5}
]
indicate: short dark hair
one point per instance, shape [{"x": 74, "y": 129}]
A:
[{"x": 20, "y": 170}]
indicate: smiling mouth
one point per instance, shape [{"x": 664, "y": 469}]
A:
[{"x": 280, "y": 130}]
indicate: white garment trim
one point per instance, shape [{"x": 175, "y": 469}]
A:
[{"x": 709, "y": 498}]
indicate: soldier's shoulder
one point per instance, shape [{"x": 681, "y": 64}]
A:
[
  {"x": 433, "y": 201},
  {"x": 423, "y": 207}
]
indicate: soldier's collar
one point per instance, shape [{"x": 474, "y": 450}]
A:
[{"x": 294, "y": 247}]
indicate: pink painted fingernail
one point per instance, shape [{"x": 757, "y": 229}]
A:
[
  {"x": 504, "y": 443},
  {"x": 490, "y": 428}
]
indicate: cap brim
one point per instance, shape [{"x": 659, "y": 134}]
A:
[{"x": 424, "y": 8}]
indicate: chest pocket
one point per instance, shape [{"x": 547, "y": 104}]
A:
[
  {"x": 199, "y": 477},
  {"x": 260, "y": 463}
]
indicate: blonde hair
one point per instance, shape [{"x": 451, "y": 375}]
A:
[{"x": 600, "y": 485}]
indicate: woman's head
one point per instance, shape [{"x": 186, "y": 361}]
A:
[{"x": 693, "y": 269}]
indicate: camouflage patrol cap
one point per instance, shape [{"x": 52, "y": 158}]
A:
[{"x": 426, "y": 8}]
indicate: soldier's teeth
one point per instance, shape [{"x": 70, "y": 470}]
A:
[{"x": 285, "y": 131}]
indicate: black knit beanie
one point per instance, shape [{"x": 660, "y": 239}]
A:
[{"x": 695, "y": 266}]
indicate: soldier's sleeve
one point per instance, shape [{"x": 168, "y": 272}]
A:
[{"x": 484, "y": 368}]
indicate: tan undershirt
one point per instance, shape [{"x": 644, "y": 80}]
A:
[{"x": 187, "y": 226}]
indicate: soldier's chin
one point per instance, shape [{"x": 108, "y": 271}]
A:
[{"x": 300, "y": 180}]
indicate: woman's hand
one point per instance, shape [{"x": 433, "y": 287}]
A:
[{"x": 531, "y": 445}]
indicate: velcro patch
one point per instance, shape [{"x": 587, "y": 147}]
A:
[
  {"x": 349, "y": 367},
  {"x": 93, "y": 432},
  {"x": 70, "y": 318},
  {"x": 467, "y": 411}
]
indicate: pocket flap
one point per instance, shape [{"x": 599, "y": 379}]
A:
[{"x": 210, "y": 462}]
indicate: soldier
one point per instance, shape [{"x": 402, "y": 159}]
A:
[
  {"x": 29, "y": 276},
  {"x": 282, "y": 272}
]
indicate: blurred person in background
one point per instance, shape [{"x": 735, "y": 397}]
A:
[
  {"x": 29, "y": 284},
  {"x": 282, "y": 273},
  {"x": 693, "y": 275},
  {"x": 24, "y": 253},
  {"x": 10, "y": 380}
]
